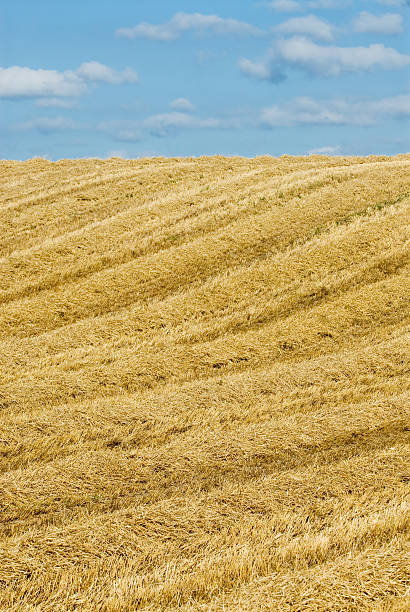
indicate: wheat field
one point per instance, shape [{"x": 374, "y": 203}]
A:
[{"x": 204, "y": 399}]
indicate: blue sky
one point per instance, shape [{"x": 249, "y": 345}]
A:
[{"x": 90, "y": 78}]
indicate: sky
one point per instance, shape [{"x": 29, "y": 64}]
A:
[{"x": 137, "y": 78}]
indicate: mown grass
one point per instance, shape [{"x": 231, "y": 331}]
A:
[{"x": 204, "y": 384}]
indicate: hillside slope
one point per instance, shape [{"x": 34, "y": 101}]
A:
[{"x": 204, "y": 399}]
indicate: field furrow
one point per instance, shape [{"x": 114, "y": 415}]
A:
[{"x": 204, "y": 384}]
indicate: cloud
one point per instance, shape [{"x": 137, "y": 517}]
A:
[
  {"x": 122, "y": 130},
  {"x": 182, "y": 104},
  {"x": 287, "y": 6},
  {"x": 117, "y": 153},
  {"x": 395, "y": 106},
  {"x": 292, "y": 113},
  {"x": 19, "y": 81},
  {"x": 310, "y": 25},
  {"x": 306, "y": 55},
  {"x": 337, "y": 111},
  {"x": 185, "y": 22},
  {"x": 318, "y": 60},
  {"x": 390, "y": 23},
  {"x": 55, "y": 103},
  {"x": 305, "y": 110},
  {"x": 47, "y": 125},
  {"x": 393, "y": 2},
  {"x": 330, "y": 150},
  {"x": 292, "y": 6},
  {"x": 96, "y": 72},
  {"x": 204, "y": 57},
  {"x": 328, "y": 4},
  {"x": 23, "y": 82},
  {"x": 262, "y": 71},
  {"x": 162, "y": 124},
  {"x": 157, "y": 125}
]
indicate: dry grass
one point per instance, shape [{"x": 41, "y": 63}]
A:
[{"x": 203, "y": 384}]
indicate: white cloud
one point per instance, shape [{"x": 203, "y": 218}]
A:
[
  {"x": 121, "y": 130},
  {"x": 184, "y": 22},
  {"x": 46, "y": 125},
  {"x": 305, "y": 110},
  {"x": 262, "y": 71},
  {"x": 55, "y": 103},
  {"x": 128, "y": 135},
  {"x": 96, "y": 72},
  {"x": 328, "y": 4},
  {"x": 390, "y": 23},
  {"x": 287, "y": 6},
  {"x": 396, "y": 106},
  {"x": 337, "y": 111},
  {"x": 393, "y": 2},
  {"x": 330, "y": 150},
  {"x": 19, "y": 82},
  {"x": 333, "y": 61},
  {"x": 160, "y": 125},
  {"x": 117, "y": 153},
  {"x": 204, "y": 57},
  {"x": 318, "y": 60},
  {"x": 292, "y": 113},
  {"x": 292, "y": 6},
  {"x": 310, "y": 25},
  {"x": 182, "y": 104},
  {"x": 156, "y": 125},
  {"x": 164, "y": 124}
]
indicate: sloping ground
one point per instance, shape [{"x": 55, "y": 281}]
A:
[{"x": 204, "y": 384}]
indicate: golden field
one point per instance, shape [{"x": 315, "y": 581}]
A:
[{"x": 204, "y": 399}]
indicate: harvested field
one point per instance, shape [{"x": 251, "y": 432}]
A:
[{"x": 204, "y": 384}]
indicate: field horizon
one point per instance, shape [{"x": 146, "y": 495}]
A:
[{"x": 204, "y": 391}]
